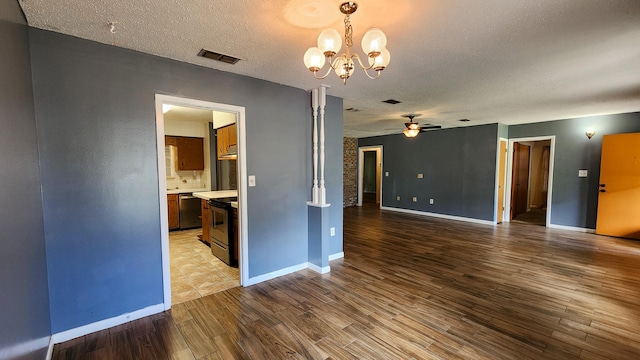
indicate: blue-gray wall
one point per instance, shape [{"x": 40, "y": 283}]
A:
[
  {"x": 458, "y": 165},
  {"x": 574, "y": 199},
  {"x": 96, "y": 126},
  {"x": 24, "y": 300}
]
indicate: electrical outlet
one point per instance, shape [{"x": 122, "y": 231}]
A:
[
  {"x": 398, "y": 198},
  {"x": 420, "y": 176},
  {"x": 252, "y": 180},
  {"x": 333, "y": 231},
  {"x": 431, "y": 201},
  {"x": 415, "y": 199}
]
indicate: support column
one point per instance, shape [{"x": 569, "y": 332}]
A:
[
  {"x": 318, "y": 212},
  {"x": 314, "y": 105}
]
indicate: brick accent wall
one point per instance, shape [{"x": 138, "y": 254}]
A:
[{"x": 350, "y": 172}]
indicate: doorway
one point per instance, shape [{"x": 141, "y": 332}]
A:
[
  {"x": 370, "y": 176},
  {"x": 239, "y": 113},
  {"x": 501, "y": 182},
  {"x": 530, "y": 180}
]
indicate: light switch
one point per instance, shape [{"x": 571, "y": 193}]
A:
[
  {"x": 386, "y": 173},
  {"x": 415, "y": 199},
  {"x": 398, "y": 198},
  {"x": 420, "y": 176},
  {"x": 431, "y": 201},
  {"x": 333, "y": 231},
  {"x": 582, "y": 173},
  {"x": 252, "y": 180}
]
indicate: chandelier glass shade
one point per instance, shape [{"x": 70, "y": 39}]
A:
[{"x": 374, "y": 44}]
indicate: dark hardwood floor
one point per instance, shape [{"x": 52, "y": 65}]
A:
[{"x": 412, "y": 287}]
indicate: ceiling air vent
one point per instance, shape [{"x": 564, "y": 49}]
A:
[
  {"x": 391, "y": 101},
  {"x": 217, "y": 56},
  {"x": 464, "y": 120}
]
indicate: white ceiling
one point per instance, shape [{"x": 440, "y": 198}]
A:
[{"x": 507, "y": 61}]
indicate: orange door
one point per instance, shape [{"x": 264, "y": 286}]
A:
[
  {"x": 378, "y": 166},
  {"x": 520, "y": 180},
  {"x": 501, "y": 171},
  {"x": 619, "y": 196}
]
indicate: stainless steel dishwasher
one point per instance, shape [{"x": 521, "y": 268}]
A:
[{"x": 190, "y": 211}]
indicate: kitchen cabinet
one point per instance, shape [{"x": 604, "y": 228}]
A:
[
  {"x": 174, "y": 211},
  {"x": 189, "y": 152},
  {"x": 226, "y": 138},
  {"x": 205, "y": 221}
]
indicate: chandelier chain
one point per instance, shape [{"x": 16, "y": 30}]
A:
[{"x": 348, "y": 31}]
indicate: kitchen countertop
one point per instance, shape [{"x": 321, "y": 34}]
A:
[
  {"x": 208, "y": 195},
  {"x": 183, "y": 191}
]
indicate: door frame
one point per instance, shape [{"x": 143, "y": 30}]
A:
[
  {"x": 509, "y": 172},
  {"x": 162, "y": 184},
  {"x": 497, "y": 192},
  {"x": 361, "y": 150}
]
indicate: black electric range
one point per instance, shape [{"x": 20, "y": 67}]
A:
[{"x": 221, "y": 229}]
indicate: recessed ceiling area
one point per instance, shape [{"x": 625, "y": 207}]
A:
[{"x": 489, "y": 61}]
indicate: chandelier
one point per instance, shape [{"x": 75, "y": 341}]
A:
[{"x": 374, "y": 44}]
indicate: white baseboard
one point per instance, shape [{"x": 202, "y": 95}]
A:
[
  {"x": 436, "y": 215},
  {"x": 318, "y": 269},
  {"x": 288, "y": 270},
  {"x": 291, "y": 269},
  {"x": 106, "y": 323},
  {"x": 572, "y": 228}
]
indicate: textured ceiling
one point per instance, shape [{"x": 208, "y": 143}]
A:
[{"x": 489, "y": 61}]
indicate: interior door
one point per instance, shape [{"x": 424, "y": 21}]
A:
[
  {"x": 501, "y": 177},
  {"x": 619, "y": 196},
  {"x": 520, "y": 180}
]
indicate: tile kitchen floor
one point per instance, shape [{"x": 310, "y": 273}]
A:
[{"x": 195, "y": 272}]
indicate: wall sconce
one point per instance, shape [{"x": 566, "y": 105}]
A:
[{"x": 590, "y": 132}]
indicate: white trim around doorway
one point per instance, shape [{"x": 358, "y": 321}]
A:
[
  {"x": 509, "y": 173},
  {"x": 162, "y": 183},
  {"x": 361, "y": 150}
]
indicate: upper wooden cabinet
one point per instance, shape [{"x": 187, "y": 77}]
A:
[
  {"x": 189, "y": 152},
  {"x": 226, "y": 138}
]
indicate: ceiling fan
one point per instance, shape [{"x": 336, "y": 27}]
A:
[{"x": 412, "y": 128}]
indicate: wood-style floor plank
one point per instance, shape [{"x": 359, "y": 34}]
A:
[{"x": 412, "y": 287}]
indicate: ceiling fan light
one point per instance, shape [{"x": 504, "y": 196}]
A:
[
  {"x": 413, "y": 126},
  {"x": 411, "y": 132},
  {"x": 373, "y": 42},
  {"x": 329, "y": 42},
  {"x": 381, "y": 61},
  {"x": 314, "y": 59}
]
